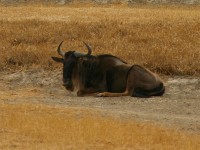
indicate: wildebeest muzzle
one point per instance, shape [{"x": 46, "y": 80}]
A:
[{"x": 68, "y": 84}]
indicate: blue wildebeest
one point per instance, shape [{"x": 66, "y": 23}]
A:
[{"x": 106, "y": 75}]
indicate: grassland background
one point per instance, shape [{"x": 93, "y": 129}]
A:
[
  {"x": 33, "y": 126},
  {"x": 63, "y": 2},
  {"x": 163, "y": 39}
]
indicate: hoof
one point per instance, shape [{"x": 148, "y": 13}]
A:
[{"x": 101, "y": 95}]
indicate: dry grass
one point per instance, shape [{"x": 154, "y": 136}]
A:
[
  {"x": 164, "y": 39},
  {"x": 46, "y": 127}
]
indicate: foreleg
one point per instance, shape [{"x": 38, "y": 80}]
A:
[
  {"x": 109, "y": 94},
  {"x": 87, "y": 92}
]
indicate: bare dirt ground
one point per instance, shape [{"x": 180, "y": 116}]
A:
[{"x": 179, "y": 107}]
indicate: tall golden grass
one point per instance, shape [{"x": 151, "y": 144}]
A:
[
  {"x": 37, "y": 126},
  {"x": 164, "y": 39}
]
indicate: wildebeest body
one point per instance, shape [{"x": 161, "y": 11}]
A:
[
  {"x": 116, "y": 78},
  {"x": 101, "y": 73},
  {"x": 107, "y": 75}
]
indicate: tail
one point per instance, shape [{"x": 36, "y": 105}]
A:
[{"x": 143, "y": 93}]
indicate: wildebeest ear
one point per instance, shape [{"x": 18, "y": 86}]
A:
[{"x": 60, "y": 60}]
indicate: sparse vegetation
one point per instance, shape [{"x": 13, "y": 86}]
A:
[
  {"x": 36, "y": 126},
  {"x": 164, "y": 39}
]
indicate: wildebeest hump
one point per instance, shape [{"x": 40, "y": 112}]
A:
[{"x": 108, "y": 61}]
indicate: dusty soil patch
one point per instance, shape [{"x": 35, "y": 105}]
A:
[{"x": 179, "y": 107}]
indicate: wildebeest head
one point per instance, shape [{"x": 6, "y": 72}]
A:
[{"x": 69, "y": 60}]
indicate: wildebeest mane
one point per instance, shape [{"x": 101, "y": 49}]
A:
[
  {"x": 89, "y": 73},
  {"x": 108, "y": 55}
]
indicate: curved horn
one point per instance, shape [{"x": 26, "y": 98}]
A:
[
  {"x": 89, "y": 48},
  {"x": 60, "y": 52}
]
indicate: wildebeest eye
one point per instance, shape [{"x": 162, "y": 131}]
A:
[{"x": 81, "y": 59}]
